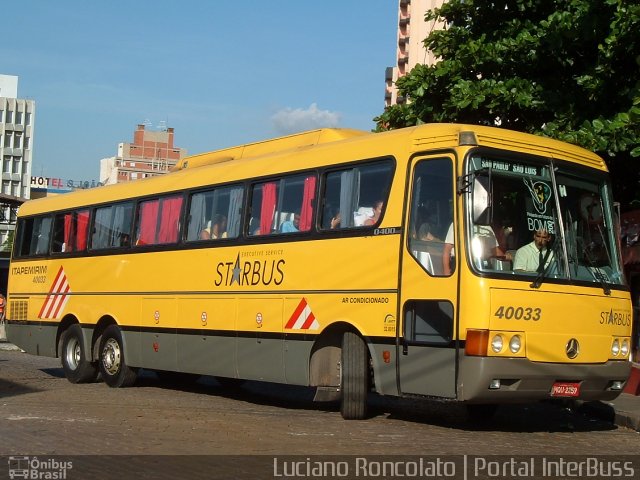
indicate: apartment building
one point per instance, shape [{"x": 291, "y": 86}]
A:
[
  {"x": 412, "y": 30},
  {"x": 151, "y": 153},
  {"x": 16, "y": 141}
]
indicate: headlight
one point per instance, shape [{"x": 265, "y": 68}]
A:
[
  {"x": 624, "y": 349},
  {"x": 497, "y": 343},
  {"x": 515, "y": 344},
  {"x": 615, "y": 348}
]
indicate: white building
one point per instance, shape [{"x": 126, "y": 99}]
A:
[
  {"x": 16, "y": 142},
  {"x": 412, "y": 30}
]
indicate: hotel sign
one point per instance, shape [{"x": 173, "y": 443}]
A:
[{"x": 50, "y": 183}]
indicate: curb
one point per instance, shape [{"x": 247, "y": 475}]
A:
[
  {"x": 4, "y": 345},
  {"x": 628, "y": 420},
  {"x": 608, "y": 413}
]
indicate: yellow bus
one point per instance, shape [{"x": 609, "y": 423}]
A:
[{"x": 398, "y": 262}]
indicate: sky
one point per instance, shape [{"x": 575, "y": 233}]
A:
[{"x": 221, "y": 73}]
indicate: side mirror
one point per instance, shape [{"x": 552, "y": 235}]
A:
[{"x": 481, "y": 200}]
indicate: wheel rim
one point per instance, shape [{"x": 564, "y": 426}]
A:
[
  {"x": 73, "y": 354},
  {"x": 111, "y": 356}
]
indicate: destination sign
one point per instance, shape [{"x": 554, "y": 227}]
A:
[{"x": 509, "y": 167}]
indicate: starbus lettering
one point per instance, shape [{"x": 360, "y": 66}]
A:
[
  {"x": 250, "y": 273},
  {"x": 622, "y": 318}
]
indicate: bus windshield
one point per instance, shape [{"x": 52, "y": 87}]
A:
[{"x": 548, "y": 220}]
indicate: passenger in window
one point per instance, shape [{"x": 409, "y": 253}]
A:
[
  {"x": 205, "y": 234},
  {"x": 504, "y": 232},
  {"x": 216, "y": 229},
  {"x": 448, "y": 253},
  {"x": 125, "y": 240},
  {"x": 485, "y": 243},
  {"x": 291, "y": 226},
  {"x": 254, "y": 227},
  {"x": 336, "y": 220},
  {"x": 425, "y": 233},
  {"x": 377, "y": 210},
  {"x": 219, "y": 227}
]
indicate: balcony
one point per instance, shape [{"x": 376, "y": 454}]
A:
[
  {"x": 403, "y": 59},
  {"x": 388, "y": 74}
]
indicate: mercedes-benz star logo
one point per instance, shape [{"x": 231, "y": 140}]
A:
[{"x": 573, "y": 348}]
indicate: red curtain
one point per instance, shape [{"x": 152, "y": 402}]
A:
[
  {"x": 148, "y": 220},
  {"x": 170, "y": 221},
  {"x": 306, "y": 211},
  {"x": 269, "y": 194},
  {"x": 82, "y": 229},
  {"x": 68, "y": 229}
]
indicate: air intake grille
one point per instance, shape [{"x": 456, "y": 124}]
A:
[{"x": 18, "y": 309}]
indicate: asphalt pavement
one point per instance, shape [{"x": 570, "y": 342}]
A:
[{"x": 624, "y": 411}]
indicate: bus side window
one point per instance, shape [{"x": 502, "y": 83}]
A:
[
  {"x": 33, "y": 236},
  {"x": 431, "y": 215},
  {"x": 111, "y": 225},
  {"x": 42, "y": 235},
  {"x": 283, "y": 205},
  {"x": 158, "y": 221},
  {"x": 70, "y": 232},
  {"x": 355, "y": 197},
  {"x": 215, "y": 214},
  {"x": 60, "y": 225}
]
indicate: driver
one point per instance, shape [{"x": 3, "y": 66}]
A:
[{"x": 535, "y": 256}]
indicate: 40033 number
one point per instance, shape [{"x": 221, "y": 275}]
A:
[{"x": 518, "y": 313}]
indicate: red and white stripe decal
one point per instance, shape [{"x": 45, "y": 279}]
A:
[
  {"x": 57, "y": 297},
  {"x": 302, "y": 318}
]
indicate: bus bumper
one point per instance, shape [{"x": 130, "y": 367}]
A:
[
  {"x": 522, "y": 380},
  {"x": 36, "y": 339}
]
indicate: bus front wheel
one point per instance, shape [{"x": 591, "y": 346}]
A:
[
  {"x": 76, "y": 368},
  {"x": 354, "y": 377},
  {"x": 115, "y": 372}
]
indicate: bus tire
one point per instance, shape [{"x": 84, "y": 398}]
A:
[
  {"x": 76, "y": 368},
  {"x": 354, "y": 377},
  {"x": 115, "y": 371}
]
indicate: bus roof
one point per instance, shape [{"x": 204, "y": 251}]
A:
[
  {"x": 266, "y": 157},
  {"x": 297, "y": 140}
]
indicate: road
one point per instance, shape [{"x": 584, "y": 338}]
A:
[{"x": 41, "y": 413}]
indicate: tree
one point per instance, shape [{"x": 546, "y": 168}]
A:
[
  {"x": 567, "y": 69},
  {"x": 7, "y": 246}
]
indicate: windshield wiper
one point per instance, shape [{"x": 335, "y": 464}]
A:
[
  {"x": 597, "y": 276},
  {"x": 543, "y": 274}
]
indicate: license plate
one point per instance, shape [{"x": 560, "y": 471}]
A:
[{"x": 561, "y": 389}]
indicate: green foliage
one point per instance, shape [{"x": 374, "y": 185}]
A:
[
  {"x": 7, "y": 246},
  {"x": 567, "y": 69}
]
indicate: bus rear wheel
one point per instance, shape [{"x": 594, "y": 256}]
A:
[
  {"x": 76, "y": 368},
  {"x": 354, "y": 377},
  {"x": 115, "y": 372}
]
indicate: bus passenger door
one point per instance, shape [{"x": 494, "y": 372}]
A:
[{"x": 428, "y": 285}]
